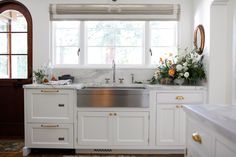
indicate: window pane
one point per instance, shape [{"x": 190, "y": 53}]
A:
[
  {"x": 119, "y": 40},
  {"x": 100, "y": 37},
  {"x": 67, "y": 37},
  {"x": 163, "y": 37},
  {"x": 162, "y": 52},
  {"x": 66, "y": 55},
  {"x": 129, "y": 37},
  {"x": 19, "y": 66},
  {"x": 100, "y": 55},
  {"x": 67, "y": 42},
  {"x": 129, "y": 55},
  {"x": 4, "y": 73},
  {"x": 3, "y": 43},
  {"x": 163, "y": 40},
  {"x": 19, "y": 47},
  {"x": 19, "y": 23},
  {"x": 3, "y": 25}
]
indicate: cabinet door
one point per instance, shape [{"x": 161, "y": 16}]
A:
[
  {"x": 94, "y": 128},
  {"x": 49, "y": 105},
  {"x": 167, "y": 125},
  {"x": 182, "y": 126},
  {"x": 130, "y": 128}
]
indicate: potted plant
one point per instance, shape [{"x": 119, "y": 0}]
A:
[{"x": 39, "y": 75}]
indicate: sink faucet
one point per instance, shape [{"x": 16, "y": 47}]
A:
[{"x": 113, "y": 71}]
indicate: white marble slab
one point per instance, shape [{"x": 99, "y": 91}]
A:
[
  {"x": 40, "y": 86},
  {"x": 221, "y": 118}
]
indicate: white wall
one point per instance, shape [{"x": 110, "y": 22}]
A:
[
  {"x": 41, "y": 33},
  {"x": 217, "y": 17}
]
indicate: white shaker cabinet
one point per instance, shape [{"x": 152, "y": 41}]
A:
[
  {"x": 49, "y": 119},
  {"x": 113, "y": 128},
  {"x": 170, "y": 117}
]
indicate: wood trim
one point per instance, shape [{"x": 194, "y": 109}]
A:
[{"x": 15, "y": 5}]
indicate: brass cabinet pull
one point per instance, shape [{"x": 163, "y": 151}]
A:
[
  {"x": 110, "y": 114},
  {"x": 49, "y": 126},
  {"x": 179, "y": 97},
  {"x": 177, "y": 106},
  {"x": 196, "y": 137},
  {"x": 49, "y": 91},
  {"x": 115, "y": 114}
]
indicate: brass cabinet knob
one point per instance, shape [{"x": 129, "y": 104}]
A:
[
  {"x": 115, "y": 114},
  {"x": 179, "y": 97},
  {"x": 196, "y": 137},
  {"x": 177, "y": 106},
  {"x": 110, "y": 114}
]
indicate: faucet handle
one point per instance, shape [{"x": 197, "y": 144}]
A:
[
  {"x": 107, "y": 80},
  {"x": 132, "y": 78},
  {"x": 121, "y": 80}
]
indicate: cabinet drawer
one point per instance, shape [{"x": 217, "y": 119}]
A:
[
  {"x": 49, "y": 135},
  {"x": 199, "y": 139},
  {"x": 49, "y": 105},
  {"x": 180, "y": 98}
]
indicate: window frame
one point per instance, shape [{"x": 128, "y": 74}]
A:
[
  {"x": 14, "y": 5},
  {"x": 146, "y": 60}
]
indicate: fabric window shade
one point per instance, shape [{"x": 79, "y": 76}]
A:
[{"x": 165, "y": 12}]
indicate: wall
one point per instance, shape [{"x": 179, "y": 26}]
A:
[
  {"x": 217, "y": 17},
  {"x": 41, "y": 38}
]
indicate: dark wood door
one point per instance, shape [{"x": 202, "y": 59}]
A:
[{"x": 15, "y": 65}]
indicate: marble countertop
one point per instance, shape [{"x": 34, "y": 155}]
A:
[
  {"x": 81, "y": 85},
  {"x": 221, "y": 118}
]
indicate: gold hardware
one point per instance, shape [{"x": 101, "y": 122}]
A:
[
  {"x": 179, "y": 97},
  {"x": 110, "y": 114},
  {"x": 177, "y": 106},
  {"x": 196, "y": 137},
  {"x": 49, "y": 91},
  {"x": 115, "y": 114},
  {"x": 49, "y": 126}
]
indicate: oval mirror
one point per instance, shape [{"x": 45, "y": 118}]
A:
[{"x": 199, "y": 39}]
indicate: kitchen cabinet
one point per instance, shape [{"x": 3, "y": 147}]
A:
[
  {"x": 49, "y": 117},
  {"x": 170, "y": 117},
  {"x": 113, "y": 128},
  {"x": 211, "y": 132}
]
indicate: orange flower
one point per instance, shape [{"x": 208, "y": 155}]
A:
[{"x": 171, "y": 72}]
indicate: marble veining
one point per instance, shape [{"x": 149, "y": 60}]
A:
[{"x": 222, "y": 118}]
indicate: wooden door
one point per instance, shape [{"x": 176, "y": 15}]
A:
[{"x": 15, "y": 65}]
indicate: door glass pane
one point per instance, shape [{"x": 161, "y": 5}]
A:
[
  {"x": 18, "y": 21},
  {"x": 3, "y": 43},
  {"x": 3, "y": 24},
  {"x": 4, "y": 73},
  {"x": 19, "y": 66},
  {"x": 19, "y": 43}
]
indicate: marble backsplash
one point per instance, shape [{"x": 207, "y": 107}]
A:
[{"x": 99, "y": 75}]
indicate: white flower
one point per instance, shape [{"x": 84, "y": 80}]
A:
[
  {"x": 186, "y": 74},
  {"x": 181, "y": 74},
  {"x": 179, "y": 67},
  {"x": 185, "y": 64}
]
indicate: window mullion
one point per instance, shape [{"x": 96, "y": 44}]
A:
[
  {"x": 82, "y": 44},
  {"x": 147, "y": 46}
]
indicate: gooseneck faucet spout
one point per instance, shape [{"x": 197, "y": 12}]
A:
[{"x": 113, "y": 71}]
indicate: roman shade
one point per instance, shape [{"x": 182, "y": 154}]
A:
[{"x": 169, "y": 12}]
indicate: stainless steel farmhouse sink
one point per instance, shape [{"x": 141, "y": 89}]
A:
[{"x": 113, "y": 97}]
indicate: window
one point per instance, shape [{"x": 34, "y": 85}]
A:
[
  {"x": 15, "y": 43},
  {"x": 129, "y": 43}
]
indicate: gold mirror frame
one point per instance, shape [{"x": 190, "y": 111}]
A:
[{"x": 199, "y": 48}]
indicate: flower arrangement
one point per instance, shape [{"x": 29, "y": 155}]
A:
[
  {"x": 39, "y": 75},
  {"x": 187, "y": 67}
]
